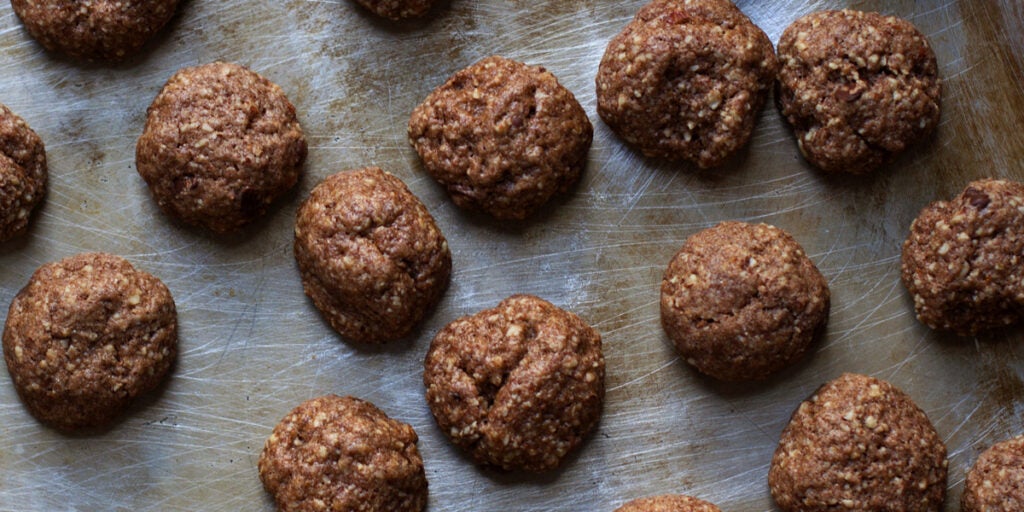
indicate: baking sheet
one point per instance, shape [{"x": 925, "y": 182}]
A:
[{"x": 253, "y": 347}]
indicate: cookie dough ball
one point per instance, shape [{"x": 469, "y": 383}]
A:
[
  {"x": 859, "y": 444},
  {"x": 104, "y": 30},
  {"x": 996, "y": 482},
  {"x": 668, "y": 503},
  {"x": 517, "y": 386},
  {"x": 371, "y": 258},
  {"x": 502, "y": 137},
  {"x": 398, "y": 9},
  {"x": 342, "y": 453},
  {"x": 857, "y": 87},
  {"x": 85, "y": 337},
  {"x": 686, "y": 80},
  {"x": 220, "y": 144},
  {"x": 23, "y": 173},
  {"x": 742, "y": 301},
  {"x": 962, "y": 262}
]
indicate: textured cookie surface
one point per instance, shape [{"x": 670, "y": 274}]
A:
[
  {"x": 857, "y": 88},
  {"x": 343, "y": 454},
  {"x": 220, "y": 144},
  {"x": 859, "y": 443},
  {"x": 996, "y": 482},
  {"x": 517, "y": 386},
  {"x": 686, "y": 80},
  {"x": 962, "y": 261},
  {"x": 502, "y": 137},
  {"x": 87, "y": 335},
  {"x": 398, "y": 9},
  {"x": 23, "y": 173},
  {"x": 742, "y": 301},
  {"x": 371, "y": 257},
  {"x": 668, "y": 503}
]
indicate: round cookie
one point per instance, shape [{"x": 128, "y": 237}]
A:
[
  {"x": 220, "y": 144},
  {"x": 742, "y": 301},
  {"x": 86, "y": 336},
  {"x": 859, "y": 443},
  {"x": 371, "y": 257},
  {"x": 23, "y": 173},
  {"x": 668, "y": 503},
  {"x": 857, "y": 87},
  {"x": 996, "y": 482},
  {"x": 686, "y": 80},
  {"x": 962, "y": 260},
  {"x": 502, "y": 137},
  {"x": 342, "y": 453},
  {"x": 517, "y": 386},
  {"x": 398, "y": 9},
  {"x": 105, "y": 30}
]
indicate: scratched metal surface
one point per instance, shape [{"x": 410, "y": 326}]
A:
[{"x": 252, "y": 346}]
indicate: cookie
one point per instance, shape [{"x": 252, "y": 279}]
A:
[
  {"x": 342, "y": 453},
  {"x": 996, "y": 482},
  {"x": 97, "y": 30},
  {"x": 502, "y": 137},
  {"x": 86, "y": 336},
  {"x": 221, "y": 143},
  {"x": 742, "y": 301},
  {"x": 23, "y": 173},
  {"x": 858, "y": 88},
  {"x": 668, "y": 503},
  {"x": 371, "y": 257},
  {"x": 962, "y": 261},
  {"x": 398, "y": 9},
  {"x": 517, "y": 386},
  {"x": 859, "y": 443},
  {"x": 686, "y": 80}
]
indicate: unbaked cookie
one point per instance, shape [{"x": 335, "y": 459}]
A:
[
  {"x": 220, "y": 144},
  {"x": 342, "y": 453},
  {"x": 742, "y": 301},
  {"x": 517, "y": 386},
  {"x": 371, "y": 257},
  {"x": 398, "y": 9},
  {"x": 996, "y": 482},
  {"x": 857, "y": 87},
  {"x": 23, "y": 173},
  {"x": 668, "y": 503},
  {"x": 686, "y": 80},
  {"x": 86, "y": 336},
  {"x": 502, "y": 137},
  {"x": 963, "y": 261}
]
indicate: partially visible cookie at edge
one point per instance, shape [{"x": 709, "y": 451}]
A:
[
  {"x": 994, "y": 483},
  {"x": 23, "y": 173},
  {"x": 668, "y": 503},
  {"x": 398, "y": 9}
]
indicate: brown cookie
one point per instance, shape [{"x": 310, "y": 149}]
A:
[
  {"x": 220, "y": 144},
  {"x": 668, "y": 503},
  {"x": 742, "y": 301},
  {"x": 87, "y": 335},
  {"x": 686, "y": 80},
  {"x": 105, "y": 30},
  {"x": 517, "y": 386},
  {"x": 23, "y": 173},
  {"x": 859, "y": 444},
  {"x": 371, "y": 257},
  {"x": 344, "y": 454},
  {"x": 962, "y": 261},
  {"x": 398, "y": 9},
  {"x": 502, "y": 137},
  {"x": 857, "y": 87},
  {"x": 996, "y": 482}
]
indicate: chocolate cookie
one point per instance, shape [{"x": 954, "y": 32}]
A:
[
  {"x": 398, "y": 9},
  {"x": 962, "y": 262},
  {"x": 342, "y": 453},
  {"x": 86, "y": 336},
  {"x": 686, "y": 80},
  {"x": 857, "y": 87},
  {"x": 668, "y": 503},
  {"x": 742, "y": 301},
  {"x": 996, "y": 482},
  {"x": 23, "y": 173},
  {"x": 502, "y": 137},
  {"x": 107, "y": 30},
  {"x": 859, "y": 444},
  {"x": 220, "y": 144},
  {"x": 371, "y": 258},
  {"x": 517, "y": 386}
]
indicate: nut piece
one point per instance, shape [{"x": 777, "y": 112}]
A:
[
  {"x": 994, "y": 483},
  {"x": 23, "y": 173},
  {"x": 517, "y": 386},
  {"x": 342, "y": 453},
  {"x": 962, "y": 260},
  {"x": 668, "y": 503},
  {"x": 398, "y": 9},
  {"x": 859, "y": 444},
  {"x": 87, "y": 335},
  {"x": 371, "y": 257},
  {"x": 686, "y": 80}
]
